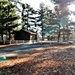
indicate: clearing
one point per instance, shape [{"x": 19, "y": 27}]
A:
[{"x": 51, "y": 60}]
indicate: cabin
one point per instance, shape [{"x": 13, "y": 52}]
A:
[{"x": 24, "y": 35}]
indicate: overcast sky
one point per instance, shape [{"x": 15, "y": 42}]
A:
[{"x": 35, "y": 3}]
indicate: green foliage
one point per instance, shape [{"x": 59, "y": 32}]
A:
[
  {"x": 7, "y": 12},
  {"x": 62, "y": 13},
  {"x": 27, "y": 12},
  {"x": 43, "y": 15},
  {"x": 8, "y": 16}
]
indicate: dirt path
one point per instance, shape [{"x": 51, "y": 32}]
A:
[{"x": 52, "y": 60}]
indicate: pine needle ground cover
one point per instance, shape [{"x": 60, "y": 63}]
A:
[{"x": 51, "y": 60}]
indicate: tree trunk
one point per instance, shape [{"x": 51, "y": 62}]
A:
[
  {"x": 63, "y": 36},
  {"x": 2, "y": 35},
  {"x": 59, "y": 36},
  {"x": 67, "y": 37},
  {"x": 42, "y": 32},
  {"x": 9, "y": 34}
]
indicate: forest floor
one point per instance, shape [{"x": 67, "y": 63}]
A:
[{"x": 51, "y": 60}]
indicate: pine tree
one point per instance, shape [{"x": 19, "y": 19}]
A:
[
  {"x": 7, "y": 17},
  {"x": 27, "y": 12},
  {"x": 62, "y": 12}
]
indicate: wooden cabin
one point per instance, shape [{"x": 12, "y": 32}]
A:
[{"x": 24, "y": 35}]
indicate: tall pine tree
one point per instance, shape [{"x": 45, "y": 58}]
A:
[{"x": 7, "y": 17}]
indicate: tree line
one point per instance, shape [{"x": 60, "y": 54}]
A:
[{"x": 42, "y": 17}]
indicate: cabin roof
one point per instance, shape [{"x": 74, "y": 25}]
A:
[{"x": 32, "y": 33}]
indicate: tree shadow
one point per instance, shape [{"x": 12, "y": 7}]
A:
[
  {"x": 50, "y": 61},
  {"x": 23, "y": 48},
  {"x": 28, "y": 68},
  {"x": 42, "y": 67}
]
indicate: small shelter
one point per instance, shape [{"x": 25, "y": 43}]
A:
[
  {"x": 65, "y": 34},
  {"x": 24, "y": 35}
]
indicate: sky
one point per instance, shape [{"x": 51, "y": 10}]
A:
[
  {"x": 35, "y": 3},
  {"x": 72, "y": 9}
]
